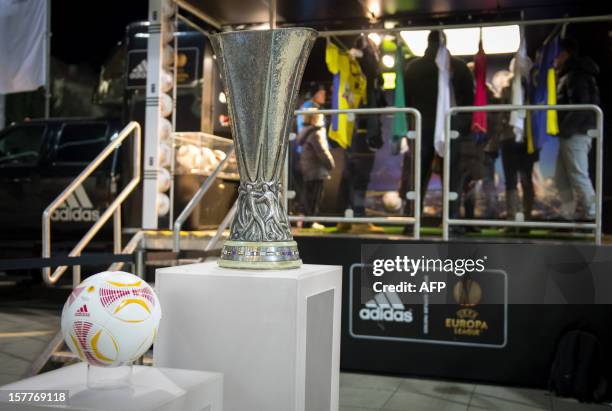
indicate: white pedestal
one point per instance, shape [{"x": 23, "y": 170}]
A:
[
  {"x": 152, "y": 389},
  {"x": 275, "y": 335}
]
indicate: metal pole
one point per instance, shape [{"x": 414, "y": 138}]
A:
[
  {"x": 446, "y": 176},
  {"x": 76, "y": 275},
  {"x": 417, "y": 176},
  {"x": 338, "y": 219},
  {"x": 48, "y": 62},
  {"x": 192, "y": 25},
  {"x": 272, "y": 11},
  {"x": 352, "y": 32},
  {"x": 117, "y": 231},
  {"x": 174, "y": 95},
  {"x": 198, "y": 13},
  {"x": 140, "y": 263},
  {"x": 512, "y": 223},
  {"x": 599, "y": 176}
]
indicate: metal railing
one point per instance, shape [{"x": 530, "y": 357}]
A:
[
  {"x": 130, "y": 247},
  {"x": 450, "y": 135},
  {"x": 195, "y": 200},
  {"x": 414, "y": 195},
  {"x": 224, "y": 224},
  {"x": 113, "y": 209}
]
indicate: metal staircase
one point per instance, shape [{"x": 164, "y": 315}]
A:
[{"x": 151, "y": 248}]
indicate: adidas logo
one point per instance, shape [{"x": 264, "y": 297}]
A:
[
  {"x": 77, "y": 207},
  {"x": 386, "y": 307},
  {"x": 139, "y": 72},
  {"x": 82, "y": 311}
]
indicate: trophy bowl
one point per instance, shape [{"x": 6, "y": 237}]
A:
[{"x": 261, "y": 72}]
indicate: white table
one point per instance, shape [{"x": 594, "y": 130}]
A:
[
  {"x": 274, "y": 334},
  {"x": 152, "y": 388}
]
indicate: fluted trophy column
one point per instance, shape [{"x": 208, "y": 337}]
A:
[{"x": 261, "y": 72}]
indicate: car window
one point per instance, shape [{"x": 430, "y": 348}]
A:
[
  {"x": 80, "y": 143},
  {"x": 21, "y": 145}
]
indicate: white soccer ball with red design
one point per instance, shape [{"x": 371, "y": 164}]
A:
[{"x": 111, "y": 318}]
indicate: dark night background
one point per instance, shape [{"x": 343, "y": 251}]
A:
[{"x": 84, "y": 32}]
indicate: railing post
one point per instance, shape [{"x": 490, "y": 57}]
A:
[
  {"x": 446, "y": 176},
  {"x": 598, "y": 176},
  {"x": 117, "y": 231},
  {"x": 417, "y": 175},
  {"x": 76, "y": 275}
]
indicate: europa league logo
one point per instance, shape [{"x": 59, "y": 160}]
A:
[{"x": 261, "y": 72}]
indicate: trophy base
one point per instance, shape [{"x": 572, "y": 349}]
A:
[{"x": 268, "y": 255}]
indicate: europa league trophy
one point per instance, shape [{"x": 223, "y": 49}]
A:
[{"x": 261, "y": 72}]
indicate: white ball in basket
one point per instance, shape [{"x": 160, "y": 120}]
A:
[{"x": 111, "y": 319}]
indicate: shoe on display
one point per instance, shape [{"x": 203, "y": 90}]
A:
[{"x": 317, "y": 226}]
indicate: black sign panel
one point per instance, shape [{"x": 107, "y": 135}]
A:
[{"x": 188, "y": 61}]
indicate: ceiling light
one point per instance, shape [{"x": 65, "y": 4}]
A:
[{"x": 464, "y": 41}]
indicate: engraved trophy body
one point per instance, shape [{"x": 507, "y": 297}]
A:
[{"x": 261, "y": 72}]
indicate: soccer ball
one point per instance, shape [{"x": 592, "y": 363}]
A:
[
  {"x": 392, "y": 201},
  {"x": 111, "y": 319}
]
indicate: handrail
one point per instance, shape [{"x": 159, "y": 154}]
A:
[
  {"x": 129, "y": 248},
  {"x": 449, "y": 135},
  {"x": 178, "y": 223},
  {"x": 416, "y": 194},
  {"x": 226, "y": 221},
  {"x": 113, "y": 209}
]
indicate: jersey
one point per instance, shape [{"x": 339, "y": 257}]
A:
[{"x": 349, "y": 92}]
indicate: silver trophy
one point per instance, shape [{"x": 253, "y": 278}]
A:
[{"x": 261, "y": 72}]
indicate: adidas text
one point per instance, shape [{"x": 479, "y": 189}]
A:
[
  {"x": 386, "y": 314},
  {"x": 75, "y": 215}
]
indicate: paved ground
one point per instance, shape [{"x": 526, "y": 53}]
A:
[
  {"x": 360, "y": 392},
  {"x": 24, "y": 332}
]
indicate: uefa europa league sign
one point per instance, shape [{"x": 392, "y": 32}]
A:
[{"x": 261, "y": 72}]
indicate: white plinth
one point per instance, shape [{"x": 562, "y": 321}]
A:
[
  {"x": 152, "y": 389},
  {"x": 275, "y": 335}
]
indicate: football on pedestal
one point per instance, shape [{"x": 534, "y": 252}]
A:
[{"x": 110, "y": 320}]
